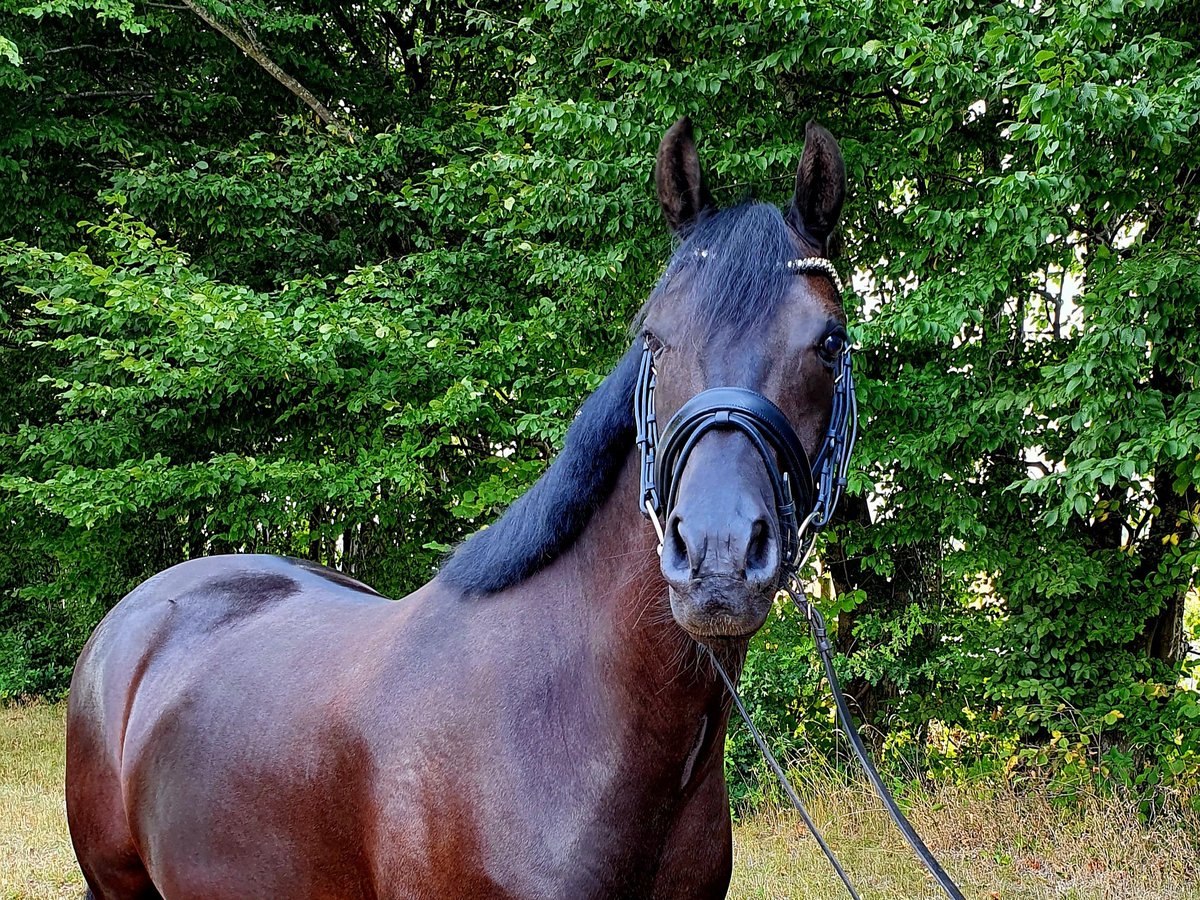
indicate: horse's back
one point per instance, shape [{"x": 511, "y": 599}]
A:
[
  {"x": 190, "y": 689},
  {"x": 189, "y": 613}
]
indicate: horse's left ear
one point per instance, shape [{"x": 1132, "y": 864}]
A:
[{"x": 820, "y": 187}]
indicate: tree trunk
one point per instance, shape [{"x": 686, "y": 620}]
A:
[
  {"x": 1162, "y": 633},
  {"x": 849, "y": 574}
]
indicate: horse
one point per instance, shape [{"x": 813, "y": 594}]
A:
[{"x": 541, "y": 719}]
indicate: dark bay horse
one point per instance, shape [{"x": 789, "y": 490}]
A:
[{"x": 539, "y": 721}]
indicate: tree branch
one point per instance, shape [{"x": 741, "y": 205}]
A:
[
  {"x": 71, "y": 48},
  {"x": 407, "y": 44},
  {"x": 357, "y": 41},
  {"x": 889, "y": 94},
  {"x": 100, "y": 95},
  {"x": 253, "y": 49}
]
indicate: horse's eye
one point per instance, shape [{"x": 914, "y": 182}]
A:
[
  {"x": 832, "y": 346},
  {"x": 656, "y": 346}
]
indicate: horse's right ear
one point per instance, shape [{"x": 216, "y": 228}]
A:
[
  {"x": 681, "y": 189},
  {"x": 820, "y": 188}
]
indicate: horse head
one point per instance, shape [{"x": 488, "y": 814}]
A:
[{"x": 745, "y": 349}]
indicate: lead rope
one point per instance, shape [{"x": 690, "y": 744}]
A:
[
  {"x": 817, "y": 624},
  {"x": 783, "y": 779}
]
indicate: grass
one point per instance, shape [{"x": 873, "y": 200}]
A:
[
  {"x": 36, "y": 860},
  {"x": 999, "y": 843}
]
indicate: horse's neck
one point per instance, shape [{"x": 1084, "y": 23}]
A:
[{"x": 659, "y": 681}]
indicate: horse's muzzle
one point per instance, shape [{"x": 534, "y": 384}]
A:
[
  {"x": 720, "y": 607},
  {"x": 721, "y": 559}
]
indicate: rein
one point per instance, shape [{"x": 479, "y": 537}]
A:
[
  {"x": 801, "y": 488},
  {"x": 816, "y": 623}
]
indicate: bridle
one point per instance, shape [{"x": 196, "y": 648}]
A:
[{"x": 806, "y": 493}]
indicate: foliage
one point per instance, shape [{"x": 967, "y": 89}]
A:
[{"x": 358, "y": 339}]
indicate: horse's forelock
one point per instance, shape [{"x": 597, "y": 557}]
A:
[{"x": 737, "y": 262}]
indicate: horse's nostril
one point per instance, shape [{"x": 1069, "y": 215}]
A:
[
  {"x": 758, "y": 549},
  {"x": 743, "y": 549},
  {"x": 679, "y": 547}
]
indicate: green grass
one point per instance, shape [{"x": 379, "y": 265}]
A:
[{"x": 999, "y": 843}]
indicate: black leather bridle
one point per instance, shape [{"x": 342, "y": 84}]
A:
[{"x": 806, "y": 493}]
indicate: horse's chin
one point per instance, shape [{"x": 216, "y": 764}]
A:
[{"x": 727, "y": 623}]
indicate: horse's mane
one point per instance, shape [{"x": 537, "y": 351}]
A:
[
  {"x": 738, "y": 282},
  {"x": 548, "y": 517}
]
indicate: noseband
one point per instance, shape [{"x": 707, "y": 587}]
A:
[{"x": 806, "y": 493}]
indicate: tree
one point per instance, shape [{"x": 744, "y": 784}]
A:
[{"x": 408, "y": 294}]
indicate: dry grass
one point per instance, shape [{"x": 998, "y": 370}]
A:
[
  {"x": 35, "y": 852},
  {"x": 996, "y": 842},
  {"x": 999, "y": 844}
]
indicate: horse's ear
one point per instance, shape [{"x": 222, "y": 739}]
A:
[
  {"x": 681, "y": 189},
  {"x": 820, "y": 187}
]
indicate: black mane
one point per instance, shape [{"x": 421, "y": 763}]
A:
[
  {"x": 741, "y": 278},
  {"x": 548, "y": 517}
]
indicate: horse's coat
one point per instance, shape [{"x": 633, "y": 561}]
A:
[{"x": 532, "y": 723}]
